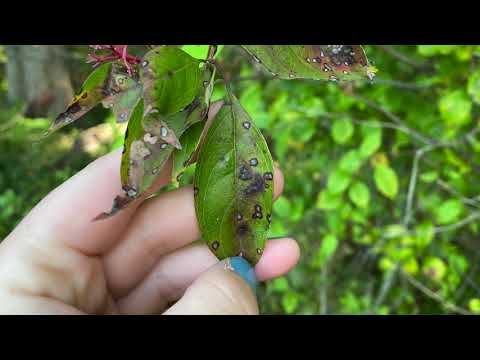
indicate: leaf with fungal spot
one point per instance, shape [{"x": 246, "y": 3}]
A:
[
  {"x": 234, "y": 185},
  {"x": 316, "y": 62},
  {"x": 150, "y": 140},
  {"x": 171, "y": 79},
  {"x": 108, "y": 84},
  {"x": 125, "y": 91},
  {"x": 93, "y": 91}
]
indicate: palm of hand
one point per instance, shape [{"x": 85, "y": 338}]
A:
[{"x": 139, "y": 262}]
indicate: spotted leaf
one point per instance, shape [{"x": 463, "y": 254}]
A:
[
  {"x": 124, "y": 93},
  {"x": 317, "y": 62},
  {"x": 171, "y": 79},
  {"x": 234, "y": 185},
  {"x": 150, "y": 140},
  {"x": 93, "y": 91}
]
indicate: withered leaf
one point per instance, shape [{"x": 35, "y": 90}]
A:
[{"x": 93, "y": 91}]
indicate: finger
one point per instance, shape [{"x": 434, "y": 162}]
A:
[
  {"x": 224, "y": 289},
  {"x": 174, "y": 272},
  {"x": 66, "y": 214},
  {"x": 159, "y": 226}
]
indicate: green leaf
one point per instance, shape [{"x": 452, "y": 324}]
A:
[
  {"x": 234, "y": 185},
  {"x": 474, "y": 86},
  {"x": 326, "y": 250},
  {"x": 351, "y": 161},
  {"x": 429, "y": 176},
  {"x": 432, "y": 50},
  {"x": 410, "y": 266},
  {"x": 171, "y": 79},
  {"x": 280, "y": 284},
  {"x": 328, "y": 201},
  {"x": 449, "y": 212},
  {"x": 200, "y": 51},
  {"x": 394, "y": 231},
  {"x": 282, "y": 207},
  {"x": 371, "y": 142},
  {"x": 317, "y": 62},
  {"x": 455, "y": 108},
  {"x": 359, "y": 194},
  {"x": 338, "y": 181},
  {"x": 342, "y": 130},
  {"x": 290, "y": 302},
  {"x": 474, "y": 305},
  {"x": 193, "y": 138},
  {"x": 386, "y": 180},
  {"x": 424, "y": 234},
  {"x": 189, "y": 141},
  {"x": 97, "y": 77}
]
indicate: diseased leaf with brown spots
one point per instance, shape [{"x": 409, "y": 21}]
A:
[
  {"x": 317, "y": 62},
  {"x": 109, "y": 84},
  {"x": 124, "y": 93},
  {"x": 234, "y": 185},
  {"x": 171, "y": 79},
  {"x": 150, "y": 140},
  {"x": 93, "y": 91}
]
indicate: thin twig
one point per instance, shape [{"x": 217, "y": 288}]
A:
[
  {"x": 401, "y": 57},
  {"x": 324, "y": 291},
  {"x": 412, "y": 184},
  {"x": 465, "y": 200},
  {"x": 394, "y": 118},
  {"x": 448, "y": 305},
  {"x": 399, "y": 84},
  {"x": 438, "y": 229},
  {"x": 386, "y": 286},
  {"x": 469, "y": 219}
]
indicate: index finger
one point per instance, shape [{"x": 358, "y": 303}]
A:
[{"x": 66, "y": 214}]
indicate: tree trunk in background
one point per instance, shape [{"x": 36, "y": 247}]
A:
[{"x": 38, "y": 77}]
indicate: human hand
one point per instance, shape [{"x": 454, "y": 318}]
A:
[{"x": 141, "y": 261}]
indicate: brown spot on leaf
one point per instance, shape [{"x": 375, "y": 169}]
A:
[
  {"x": 242, "y": 230},
  {"x": 245, "y": 173},
  {"x": 74, "y": 108},
  {"x": 257, "y": 186},
  {"x": 268, "y": 176}
]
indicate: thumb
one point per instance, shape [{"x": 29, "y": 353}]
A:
[{"x": 228, "y": 288}]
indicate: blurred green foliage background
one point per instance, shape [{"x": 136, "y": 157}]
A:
[{"x": 381, "y": 185}]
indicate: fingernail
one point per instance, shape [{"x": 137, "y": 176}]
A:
[{"x": 243, "y": 268}]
